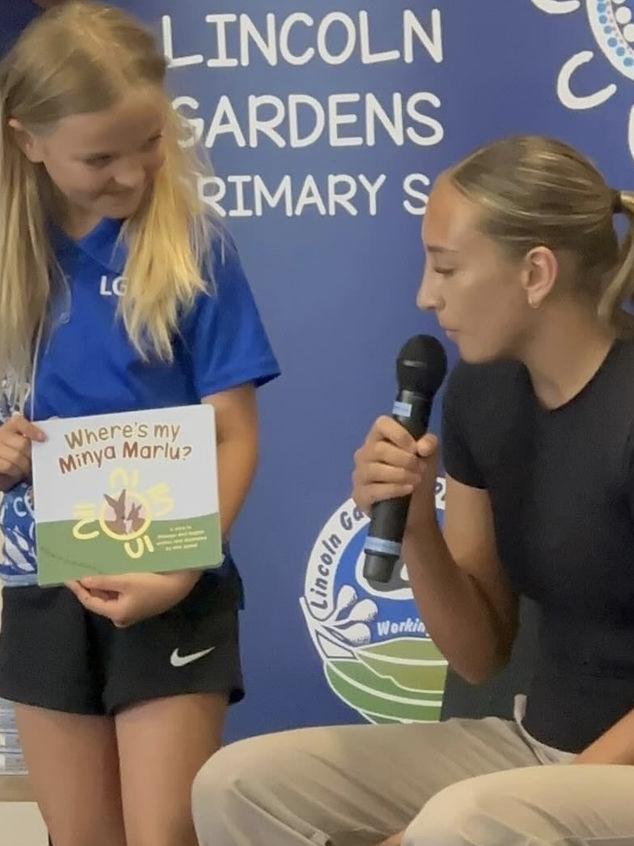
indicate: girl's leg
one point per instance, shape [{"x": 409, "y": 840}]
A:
[
  {"x": 73, "y": 769},
  {"x": 162, "y": 745}
]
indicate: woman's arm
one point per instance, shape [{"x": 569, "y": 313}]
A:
[
  {"x": 464, "y": 598},
  {"x": 461, "y": 590},
  {"x": 616, "y": 746}
]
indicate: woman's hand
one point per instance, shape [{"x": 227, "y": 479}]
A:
[
  {"x": 133, "y": 597},
  {"x": 16, "y": 435},
  {"x": 391, "y": 464}
]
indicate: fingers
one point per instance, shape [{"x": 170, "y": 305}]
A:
[
  {"x": 15, "y": 447},
  {"x": 108, "y": 584},
  {"x": 427, "y": 446},
  {"x": 391, "y": 464},
  {"x": 83, "y": 595},
  {"x": 14, "y": 462},
  {"x": 24, "y": 427},
  {"x": 379, "y": 492},
  {"x": 387, "y": 429},
  {"x": 104, "y": 603},
  {"x": 385, "y": 453}
]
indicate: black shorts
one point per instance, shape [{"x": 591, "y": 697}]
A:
[{"x": 54, "y": 654}]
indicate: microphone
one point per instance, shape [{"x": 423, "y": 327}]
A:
[{"x": 421, "y": 367}]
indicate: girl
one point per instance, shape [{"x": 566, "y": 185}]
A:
[
  {"x": 524, "y": 271},
  {"x": 117, "y": 293}
]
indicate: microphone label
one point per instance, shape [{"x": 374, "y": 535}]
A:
[{"x": 402, "y": 409}]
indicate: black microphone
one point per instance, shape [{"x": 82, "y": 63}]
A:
[{"x": 421, "y": 367}]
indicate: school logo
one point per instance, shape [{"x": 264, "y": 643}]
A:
[
  {"x": 376, "y": 653},
  {"x": 611, "y": 25}
]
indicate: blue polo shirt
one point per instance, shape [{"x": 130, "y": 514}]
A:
[{"x": 87, "y": 365}]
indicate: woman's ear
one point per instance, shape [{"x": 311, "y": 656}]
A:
[
  {"x": 26, "y": 141},
  {"x": 540, "y": 272}
]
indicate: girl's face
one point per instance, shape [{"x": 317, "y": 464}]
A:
[{"x": 102, "y": 163}]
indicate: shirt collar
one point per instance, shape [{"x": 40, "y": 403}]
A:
[{"x": 102, "y": 244}]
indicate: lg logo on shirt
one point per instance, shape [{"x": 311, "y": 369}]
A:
[{"x": 112, "y": 287}]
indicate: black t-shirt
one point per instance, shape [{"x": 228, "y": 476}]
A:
[{"x": 561, "y": 485}]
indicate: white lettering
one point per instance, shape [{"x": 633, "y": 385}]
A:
[
  {"x": 414, "y": 193},
  {"x": 322, "y": 37},
  {"x": 285, "y": 32},
  {"x": 220, "y": 22},
  {"x": 168, "y": 47},
  {"x": 333, "y": 39},
  {"x": 367, "y": 56},
  {"x": 413, "y": 27}
]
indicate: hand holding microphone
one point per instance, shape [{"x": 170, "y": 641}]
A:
[
  {"x": 397, "y": 459},
  {"x": 391, "y": 465}
]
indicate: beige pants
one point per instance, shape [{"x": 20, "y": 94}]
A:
[{"x": 478, "y": 783}]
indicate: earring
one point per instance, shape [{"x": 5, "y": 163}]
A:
[{"x": 532, "y": 303}]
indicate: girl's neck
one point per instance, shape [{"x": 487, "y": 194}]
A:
[{"x": 71, "y": 219}]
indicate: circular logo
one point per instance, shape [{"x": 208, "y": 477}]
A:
[
  {"x": 613, "y": 28},
  {"x": 125, "y": 517},
  {"x": 376, "y": 653}
]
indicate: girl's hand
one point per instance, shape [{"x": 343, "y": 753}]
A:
[
  {"x": 133, "y": 597},
  {"x": 16, "y": 435}
]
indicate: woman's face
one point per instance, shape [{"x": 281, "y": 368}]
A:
[{"x": 472, "y": 285}]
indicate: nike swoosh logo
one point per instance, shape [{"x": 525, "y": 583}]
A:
[{"x": 177, "y": 660}]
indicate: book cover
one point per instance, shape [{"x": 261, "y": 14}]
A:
[{"x": 135, "y": 492}]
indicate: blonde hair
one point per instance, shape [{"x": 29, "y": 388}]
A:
[
  {"x": 80, "y": 58},
  {"x": 535, "y": 191}
]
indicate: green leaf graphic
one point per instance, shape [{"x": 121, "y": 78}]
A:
[
  {"x": 414, "y": 664},
  {"x": 378, "y": 696}
]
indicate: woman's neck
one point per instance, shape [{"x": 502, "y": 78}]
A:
[{"x": 566, "y": 351}]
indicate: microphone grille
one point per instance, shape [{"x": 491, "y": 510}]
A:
[{"x": 421, "y": 365}]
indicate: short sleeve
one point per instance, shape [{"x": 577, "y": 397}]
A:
[
  {"x": 457, "y": 455},
  {"x": 223, "y": 334}
]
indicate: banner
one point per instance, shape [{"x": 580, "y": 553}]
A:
[{"x": 327, "y": 124}]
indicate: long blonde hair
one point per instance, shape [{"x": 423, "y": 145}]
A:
[
  {"x": 80, "y": 58},
  {"x": 536, "y": 191}
]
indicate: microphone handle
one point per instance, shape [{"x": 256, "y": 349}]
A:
[{"x": 388, "y": 518}]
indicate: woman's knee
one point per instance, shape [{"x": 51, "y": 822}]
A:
[
  {"x": 499, "y": 809},
  {"x": 247, "y": 768},
  {"x": 226, "y": 769},
  {"x": 463, "y": 814}
]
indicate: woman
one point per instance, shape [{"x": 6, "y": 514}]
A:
[{"x": 525, "y": 272}]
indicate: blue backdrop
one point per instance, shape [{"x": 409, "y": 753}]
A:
[{"x": 336, "y": 281}]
